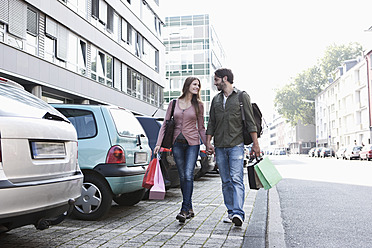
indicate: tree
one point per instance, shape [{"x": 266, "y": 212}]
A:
[
  {"x": 289, "y": 100},
  {"x": 335, "y": 55},
  {"x": 309, "y": 83}
]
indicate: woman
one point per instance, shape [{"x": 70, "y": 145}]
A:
[{"x": 189, "y": 128}]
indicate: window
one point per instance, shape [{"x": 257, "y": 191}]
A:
[
  {"x": 82, "y": 57},
  {"x": 102, "y": 12},
  {"x": 125, "y": 122},
  {"x": 95, "y": 8},
  {"x": 83, "y": 122},
  {"x": 101, "y": 67},
  {"x": 139, "y": 45},
  {"x": 110, "y": 19},
  {"x": 49, "y": 49},
  {"x": 80, "y": 7},
  {"x": 32, "y": 22},
  {"x": 124, "y": 32}
]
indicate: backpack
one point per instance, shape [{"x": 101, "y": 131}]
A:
[{"x": 257, "y": 115}]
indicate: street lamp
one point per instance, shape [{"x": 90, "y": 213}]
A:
[{"x": 328, "y": 130}]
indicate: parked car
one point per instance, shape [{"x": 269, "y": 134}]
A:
[
  {"x": 352, "y": 152},
  {"x": 113, "y": 155},
  {"x": 366, "y": 152},
  {"x": 311, "y": 152},
  {"x": 341, "y": 152},
  {"x": 39, "y": 172},
  {"x": 327, "y": 152},
  {"x": 151, "y": 126}
]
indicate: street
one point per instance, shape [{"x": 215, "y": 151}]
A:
[{"x": 325, "y": 202}]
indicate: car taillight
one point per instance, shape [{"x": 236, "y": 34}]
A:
[
  {"x": 370, "y": 152},
  {"x": 115, "y": 155}
]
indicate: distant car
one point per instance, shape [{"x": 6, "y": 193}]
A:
[
  {"x": 326, "y": 152},
  {"x": 366, "y": 152},
  {"x": 317, "y": 152},
  {"x": 352, "y": 152},
  {"x": 311, "y": 152},
  {"x": 113, "y": 155},
  {"x": 341, "y": 153},
  {"x": 39, "y": 172}
]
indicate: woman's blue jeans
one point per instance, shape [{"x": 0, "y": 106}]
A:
[
  {"x": 185, "y": 157},
  {"x": 230, "y": 163}
]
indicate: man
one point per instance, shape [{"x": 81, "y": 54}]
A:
[{"x": 225, "y": 124}]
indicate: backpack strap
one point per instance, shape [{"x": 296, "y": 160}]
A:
[{"x": 242, "y": 107}]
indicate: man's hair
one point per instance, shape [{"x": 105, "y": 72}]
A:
[{"x": 222, "y": 72}]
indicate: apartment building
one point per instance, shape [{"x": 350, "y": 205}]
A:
[
  {"x": 341, "y": 110},
  {"x": 85, "y": 51},
  {"x": 192, "y": 49}
]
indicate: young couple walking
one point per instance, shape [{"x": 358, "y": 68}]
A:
[{"x": 225, "y": 125}]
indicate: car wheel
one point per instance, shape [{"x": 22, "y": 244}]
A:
[
  {"x": 95, "y": 200},
  {"x": 130, "y": 199}
]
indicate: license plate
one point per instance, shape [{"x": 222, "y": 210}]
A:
[
  {"x": 43, "y": 150},
  {"x": 140, "y": 157}
]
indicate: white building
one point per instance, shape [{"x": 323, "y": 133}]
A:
[
  {"x": 85, "y": 51},
  {"x": 341, "y": 110}
]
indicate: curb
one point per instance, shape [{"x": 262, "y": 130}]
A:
[
  {"x": 275, "y": 230},
  {"x": 255, "y": 235}
]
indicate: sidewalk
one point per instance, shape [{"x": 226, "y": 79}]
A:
[{"x": 150, "y": 223}]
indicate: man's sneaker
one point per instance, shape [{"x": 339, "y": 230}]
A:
[
  {"x": 238, "y": 221},
  {"x": 228, "y": 219},
  {"x": 182, "y": 216}
]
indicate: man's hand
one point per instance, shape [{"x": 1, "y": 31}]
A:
[
  {"x": 210, "y": 149},
  {"x": 255, "y": 146}
]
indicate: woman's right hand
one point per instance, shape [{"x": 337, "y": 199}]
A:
[{"x": 156, "y": 150}]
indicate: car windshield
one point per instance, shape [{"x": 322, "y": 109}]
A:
[
  {"x": 125, "y": 122},
  {"x": 19, "y": 102}
]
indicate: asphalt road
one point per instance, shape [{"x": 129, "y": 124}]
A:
[{"x": 325, "y": 202}]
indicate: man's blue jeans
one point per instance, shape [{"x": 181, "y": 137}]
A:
[
  {"x": 230, "y": 163},
  {"x": 185, "y": 157}
]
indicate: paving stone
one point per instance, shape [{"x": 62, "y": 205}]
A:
[{"x": 149, "y": 223}]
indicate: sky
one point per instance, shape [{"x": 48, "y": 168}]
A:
[{"x": 267, "y": 43}]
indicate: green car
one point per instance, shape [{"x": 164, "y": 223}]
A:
[{"x": 113, "y": 154}]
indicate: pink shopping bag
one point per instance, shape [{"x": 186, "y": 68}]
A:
[{"x": 158, "y": 190}]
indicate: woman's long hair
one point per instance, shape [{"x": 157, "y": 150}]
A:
[{"x": 195, "y": 97}]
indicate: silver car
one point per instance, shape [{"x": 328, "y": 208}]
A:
[{"x": 39, "y": 173}]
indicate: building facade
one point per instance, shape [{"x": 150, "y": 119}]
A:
[
  {"x": 342, "y": 109},
  {"x": 192, "y": 49},
  {"x": 280, "y": 135},
  {"x": 85, "y": 51}
]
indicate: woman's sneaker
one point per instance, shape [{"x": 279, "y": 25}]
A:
[
  {"x": 182, "y": 216},
  {"x": 191, "y": 213}
]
